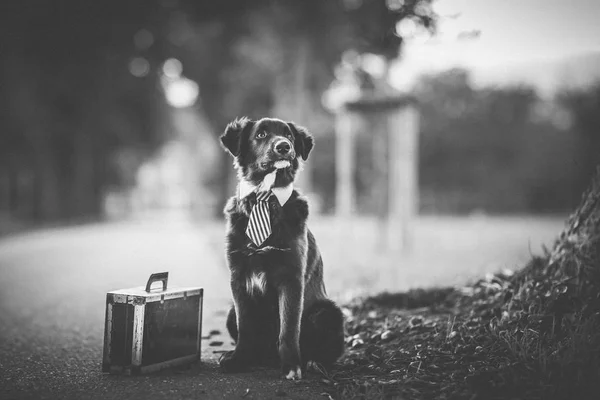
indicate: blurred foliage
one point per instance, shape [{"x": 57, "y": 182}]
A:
[
  {"x": 69, "y": 102},
  {"x": 82, "y": 104},
  {"x": 81, "y": 82},
  {"x": 584, "y": 108},
  {"x": 494, "y": 149}
]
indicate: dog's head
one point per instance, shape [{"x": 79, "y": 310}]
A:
[{"x": 258, "y": 145}]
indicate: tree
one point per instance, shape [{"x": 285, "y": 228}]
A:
[
  {"x": 492, "y": 149},
  {"x": 278, "y": 57},
  {"x": 71, "y": 100},
  {"x": 85, "y": 82}
]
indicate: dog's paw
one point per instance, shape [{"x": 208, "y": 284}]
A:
[
  {"x": 290, "y": 361},
  {"x": 232, "y": 362},
  {"x": 294, "y": 373}
]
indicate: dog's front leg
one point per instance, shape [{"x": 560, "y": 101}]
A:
[
  {"x": 290, "y": 314},
  {"x": 240, "y": 358}
]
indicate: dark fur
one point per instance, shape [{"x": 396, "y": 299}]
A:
[{"x": 293, "y": 321}]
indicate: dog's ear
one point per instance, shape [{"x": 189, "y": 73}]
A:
[
  {"x": 231, "y": 139},
  {"x": 304, "y": 141}
]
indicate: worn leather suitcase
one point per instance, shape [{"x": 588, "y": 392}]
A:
[{"x": 150, "y": 329}]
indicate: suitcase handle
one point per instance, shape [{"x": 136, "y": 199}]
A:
[{"x": 160, "y": 276}]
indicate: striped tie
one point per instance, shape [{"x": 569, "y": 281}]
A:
[{"x": 259, "y": 225}]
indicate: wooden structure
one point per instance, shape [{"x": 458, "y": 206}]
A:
[{"x": 387, "y": 121}]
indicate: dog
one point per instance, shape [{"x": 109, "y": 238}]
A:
[{"x": 281, "y": 313}]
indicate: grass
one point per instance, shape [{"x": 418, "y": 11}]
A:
[{"x": 533, "y": 334}]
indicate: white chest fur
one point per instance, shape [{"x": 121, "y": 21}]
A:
[{"x": 255, "y": 283}]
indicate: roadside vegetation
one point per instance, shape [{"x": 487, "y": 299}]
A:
[{"x": 530, "y": 334}]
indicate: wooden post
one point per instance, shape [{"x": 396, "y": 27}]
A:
[
  {"x": 4, "y": 190},
  {"x": 300, "y": 71},
  {"x": 345, "y": 193},
  {"x": 379, "y": 130},
  {"x": 293, "y": 98},
  {"x": 403, "y": 183}
]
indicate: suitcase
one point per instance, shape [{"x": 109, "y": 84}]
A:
[{"x": 150, "y": 329}]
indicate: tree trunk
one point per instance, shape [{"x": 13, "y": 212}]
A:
[
  {"x": 82, "y": 191},
  {"x": 46, "y": 193},
  {"x": 291, "y": 94}
]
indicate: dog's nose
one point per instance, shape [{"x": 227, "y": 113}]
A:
[{"x": 282, "y": 147}]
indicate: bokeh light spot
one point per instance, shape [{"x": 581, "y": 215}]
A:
[
  {"x": 139, "y": 67},
  {"x": 407, "y": 27},
  {"x": 394, "y": 5},
  {"x": 172, "y": 68},
  {"x": 180, "y": 92},
  {"x": 143, "y": 39},
  {"x": 423, "y": 9},
  {"x": 374, "y": 64}
]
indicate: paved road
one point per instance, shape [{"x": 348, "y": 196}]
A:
[{"x": 53, "y": 285}]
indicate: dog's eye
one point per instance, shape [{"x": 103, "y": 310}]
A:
[{"x": 261, "y": 135}]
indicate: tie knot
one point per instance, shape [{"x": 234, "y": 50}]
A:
[{"x": 263, "y": 196}]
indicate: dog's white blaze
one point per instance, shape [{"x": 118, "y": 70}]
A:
[
  {"x": 294, "y": 375},
  {"x": 256, "y": 282},
  {"x": 281, "y": 164}
]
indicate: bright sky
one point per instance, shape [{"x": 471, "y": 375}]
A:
[{"x": 512, "y": 32}]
